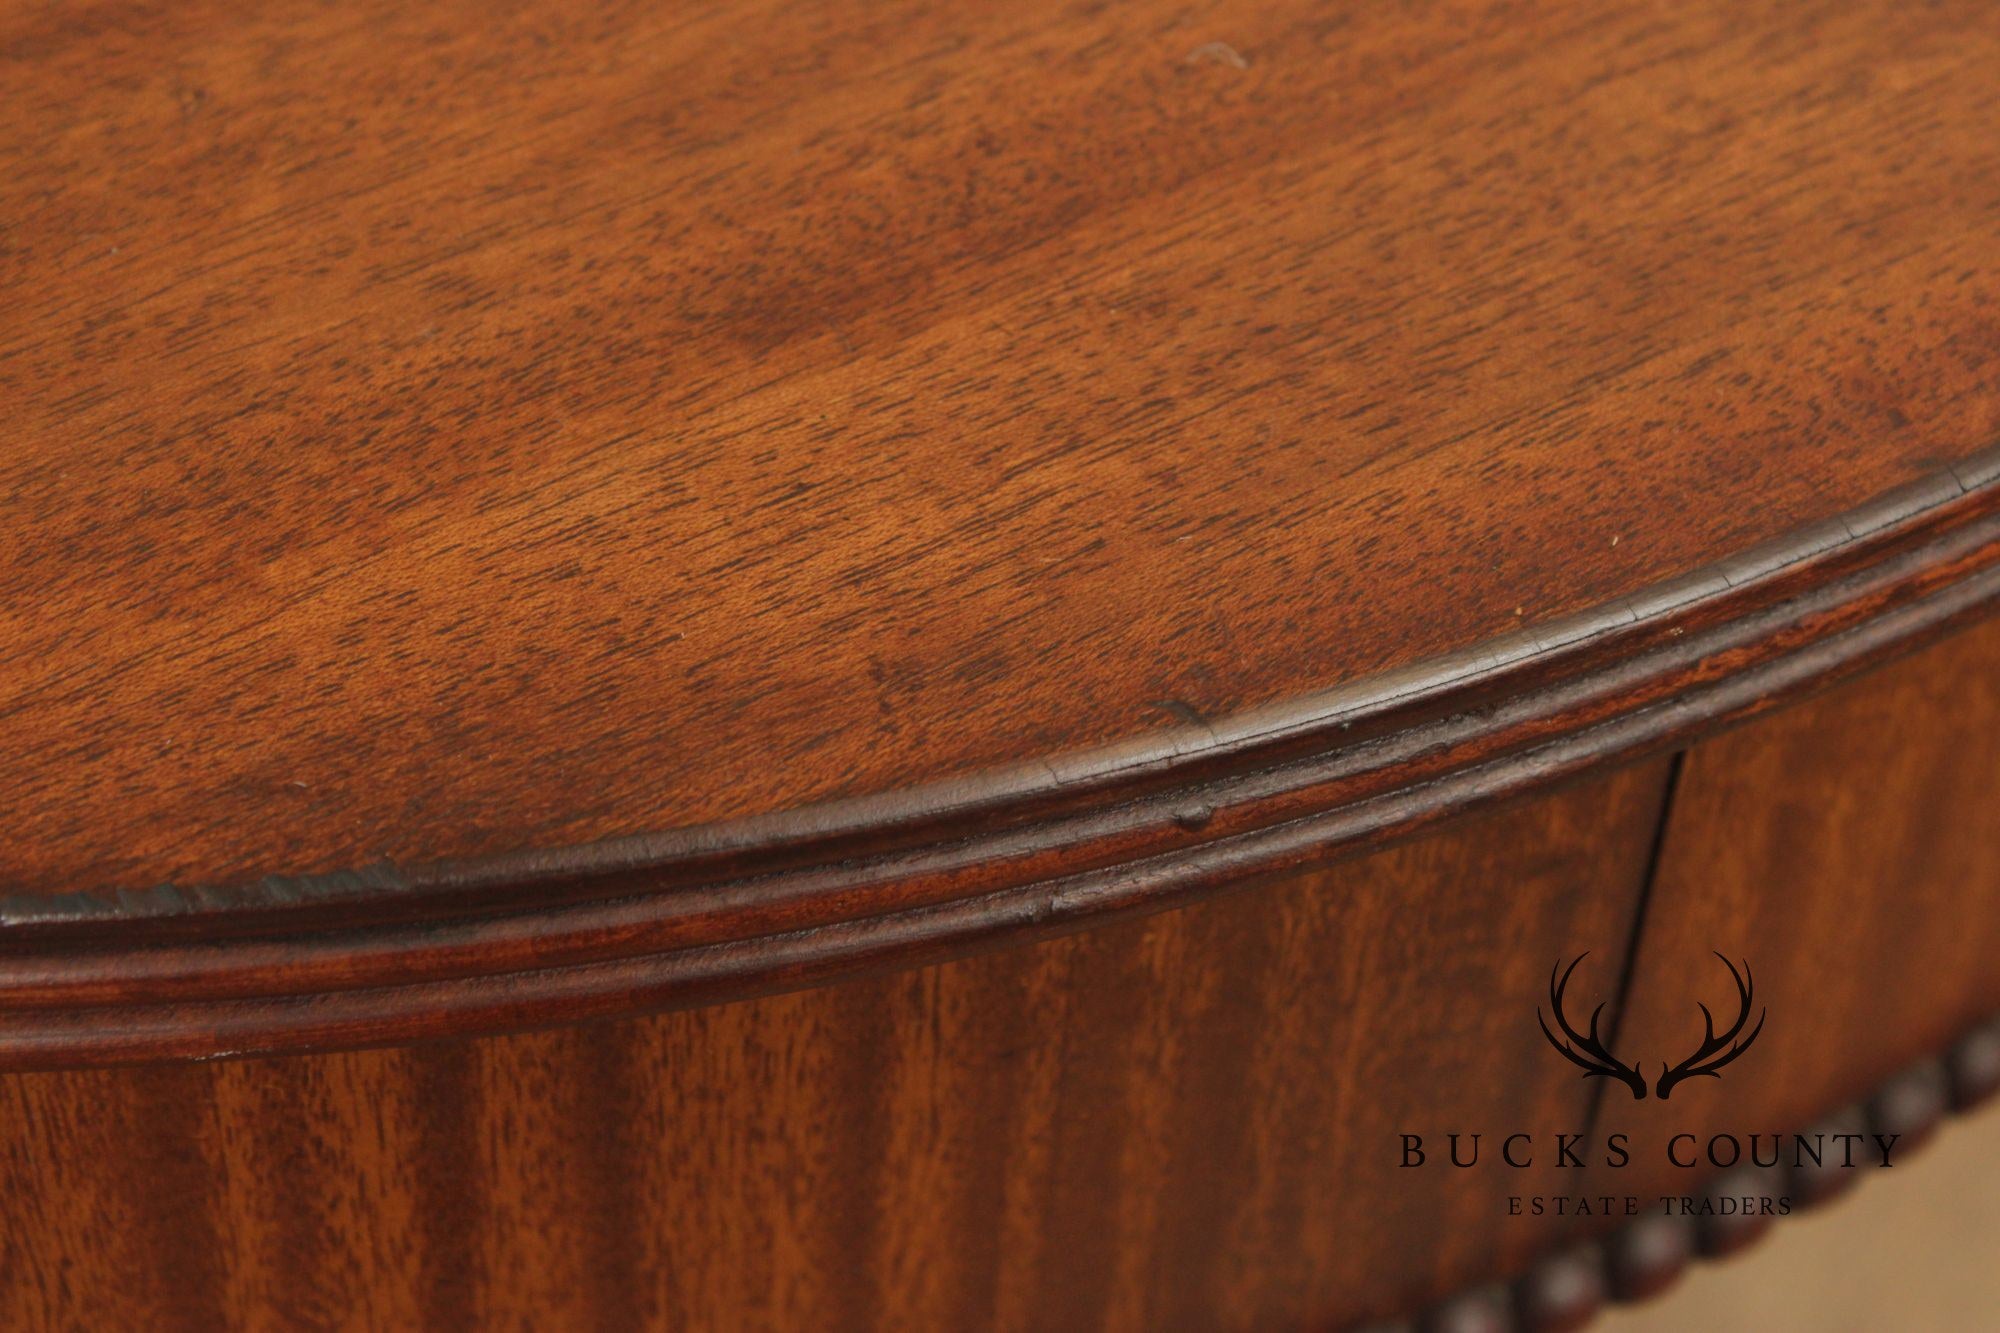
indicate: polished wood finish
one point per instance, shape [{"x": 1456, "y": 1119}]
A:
[
  {"x": 519, "y": 521},
  {"x": 1188, "y": 1121},
  {"x": 1085, "y": 597},
  {"x": 437, "y": 436},
  {"x": 95, "y": 980}
]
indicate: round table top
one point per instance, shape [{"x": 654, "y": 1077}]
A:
[{"x": 538, "y": 438}]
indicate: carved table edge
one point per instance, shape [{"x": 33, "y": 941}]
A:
[
  {"x": 1566, "y": 1289},
  {"x": 387, "y": 955}
]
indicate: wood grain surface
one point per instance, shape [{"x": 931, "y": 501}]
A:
[
  {"x": 1849, "y": 850},
  {"x": 438, "y": 432},
  {"x": 1189, "y": 1121}
]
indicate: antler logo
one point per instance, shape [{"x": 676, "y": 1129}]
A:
[
  {"x": 1715, "y": 1052},
  {"x": 1588, "y": 1053},
  {"x": 1587, "y": 1050}
]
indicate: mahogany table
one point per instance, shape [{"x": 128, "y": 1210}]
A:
[{"x": 908, "y": 666}]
